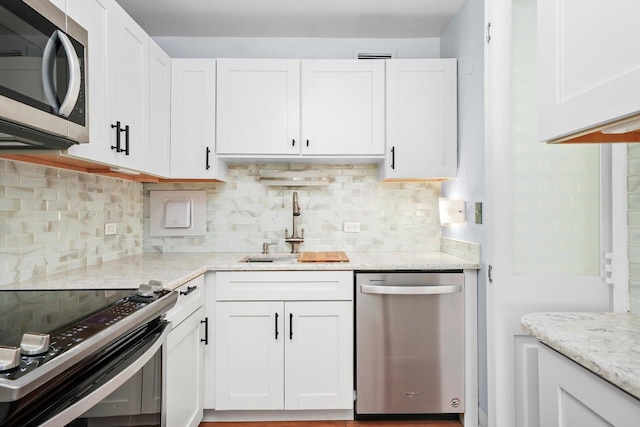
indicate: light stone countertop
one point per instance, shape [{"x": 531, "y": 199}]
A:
[
  {"x": 175, "y": 269},
  {"x": 608, "y": 344}
]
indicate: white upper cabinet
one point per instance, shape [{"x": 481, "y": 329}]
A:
[
  {"x": 342, "y": 107},
  {"x": 159, "y": 110},
  {"x": 118, "y": 67},
  {"x": 421, "y": 119},
  {"x": 93, "y": 15},
  {"x": 588, "y": 65},
  {"x": 258, "y": 107},
  {"x": 193, "y": 112},
  {"x": 263, "y": 111},
  {"x": 128, "y": 94}
]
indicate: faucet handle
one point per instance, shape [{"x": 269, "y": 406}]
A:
[{"x": 265, "y": 247}]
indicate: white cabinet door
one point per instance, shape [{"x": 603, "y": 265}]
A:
[
  {"x": 128, "y": 86},
  {"x": 94, "y": 15},
  {"x": 571, "y": 395},
  {"x": 258, "y": 109},
  {"x": 159, "y": 110},
  {"x": 342, "y": 107},
  {"x": 249, "y": 355},
  {"x": 193, "y": 106},
  {"x": 589, "y": 69},
  {"x": 319, "y": 355},
  {"x": 421, "y": 119},
  {"x": 184, "y": 373}
]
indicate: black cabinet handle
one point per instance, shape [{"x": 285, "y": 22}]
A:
[
  {"x": 290, "y": 326},
  {"x": 118, "y": 130},
  {"x": 208, "y": 166},
  {"x": 393, "y": 157},
  {"x": 307, "y": 142},
  {"x": 189, "y": 290},
  {"x": 205, "y": 340},
  {"x": 126, "y": 140},
  {"x": 293, "y": 142},
  {"x": 277, "y": 326}
]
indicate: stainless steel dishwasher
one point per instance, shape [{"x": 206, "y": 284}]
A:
[{"x": 409, "y": 343}]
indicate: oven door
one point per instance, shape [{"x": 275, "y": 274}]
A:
[{"x": 122, "y": 385}]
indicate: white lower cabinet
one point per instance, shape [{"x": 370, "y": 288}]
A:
[
  {"x": 185, "y": 357},
  {"x": 284, "y": 353},
  {"x": 572, "y": 396}
]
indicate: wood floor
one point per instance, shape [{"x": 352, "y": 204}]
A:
[{"x": 339, "y": 424}]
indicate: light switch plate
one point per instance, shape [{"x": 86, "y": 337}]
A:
[
  {"x": 351, "y": 227},
  {"x": 478, "y": 212},
  {"x": 110, "y": 229}
]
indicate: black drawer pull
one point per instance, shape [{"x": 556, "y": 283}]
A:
[
  {"x": 118, "y": 130},
  {"x": 205, "y": 340},
  {"x": 277, "y": 326},
  {"x": 207, "y": 164},
  {"x": 393, "y": 157},
  {"x": 290, "y": 326},
  {"x": 189, "y": 290}
]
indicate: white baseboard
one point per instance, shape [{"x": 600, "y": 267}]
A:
[{"x": 231, "y": 416}]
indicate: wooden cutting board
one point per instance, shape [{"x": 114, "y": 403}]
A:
[{"x": 336, "y": 256}]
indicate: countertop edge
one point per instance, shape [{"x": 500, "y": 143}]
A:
[{"x": 597, "y": 357}]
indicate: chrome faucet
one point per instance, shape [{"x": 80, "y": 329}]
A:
[{"x": 294, "y": 240}]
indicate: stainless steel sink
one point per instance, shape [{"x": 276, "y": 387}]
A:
[{"x": 276, "y": 258}]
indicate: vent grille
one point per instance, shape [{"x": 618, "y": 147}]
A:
[{"x": 364, "y": 55}]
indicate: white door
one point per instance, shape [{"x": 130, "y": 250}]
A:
[
  {"x": 592, "y": 64},
  {"x": 342, "y": 107},
  {"x": 258, "y": 109},
  {"x": 422, "y": 131},
  {"x": 319, "y": 355},
  {"x": 193, "y": 110},
  {"x": 93, "y": 15},
  {"x": 249, "y": 356},
  {"x": 185, "y": 381},
  {"x": 159, "y": 110},
  {"x": 128, "y": 93},
  {"x": 545, "y": 231}
]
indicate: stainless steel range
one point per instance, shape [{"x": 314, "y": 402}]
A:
[{"x": 63, "y": 352}]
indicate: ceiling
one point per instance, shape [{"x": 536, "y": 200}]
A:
[{"x": 293, "y": 18}]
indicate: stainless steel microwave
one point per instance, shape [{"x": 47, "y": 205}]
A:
[{"x": 43, "y": 77}]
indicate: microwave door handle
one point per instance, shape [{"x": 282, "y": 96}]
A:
[
  {"x": 48, "y": 60},
  {"x": 410, "y": 290},
  {"x": 73, "y": 91}
]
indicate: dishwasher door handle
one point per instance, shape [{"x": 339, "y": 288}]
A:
[{"x": 410, "y": 290}]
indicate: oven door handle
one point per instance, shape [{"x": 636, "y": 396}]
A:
[
  {"x": 410, "y": 290},
  {"x": 97, "y": 395}
]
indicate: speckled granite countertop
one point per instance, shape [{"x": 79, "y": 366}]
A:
[
  {"x": 174, "y": 269},
  {"x": 607, "y": 344}
]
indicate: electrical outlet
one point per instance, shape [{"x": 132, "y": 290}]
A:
[
  {"x": 110, "y": 229},
  {"x": 352, "y": 227}
]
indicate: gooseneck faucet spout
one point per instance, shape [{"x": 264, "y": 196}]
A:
[{"x": 294, "y": 240}]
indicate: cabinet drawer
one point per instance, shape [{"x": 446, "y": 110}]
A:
[
  {"x": 190, "y": 299},
  {"x": 284, "y": 285}
]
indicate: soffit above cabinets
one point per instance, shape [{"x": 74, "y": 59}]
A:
[{"x": 293, "y": 18}]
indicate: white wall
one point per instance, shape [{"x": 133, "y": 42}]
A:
[
  {"x": 304, "y": 48},
  {"x": 464, "y": 39}
]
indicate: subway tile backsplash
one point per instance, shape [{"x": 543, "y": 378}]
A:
[
  {"x": 52, "y": 220},
  {"x": 243, "y": 213}
]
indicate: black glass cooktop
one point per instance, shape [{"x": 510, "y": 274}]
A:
[{"x": 47, "y": 311}]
